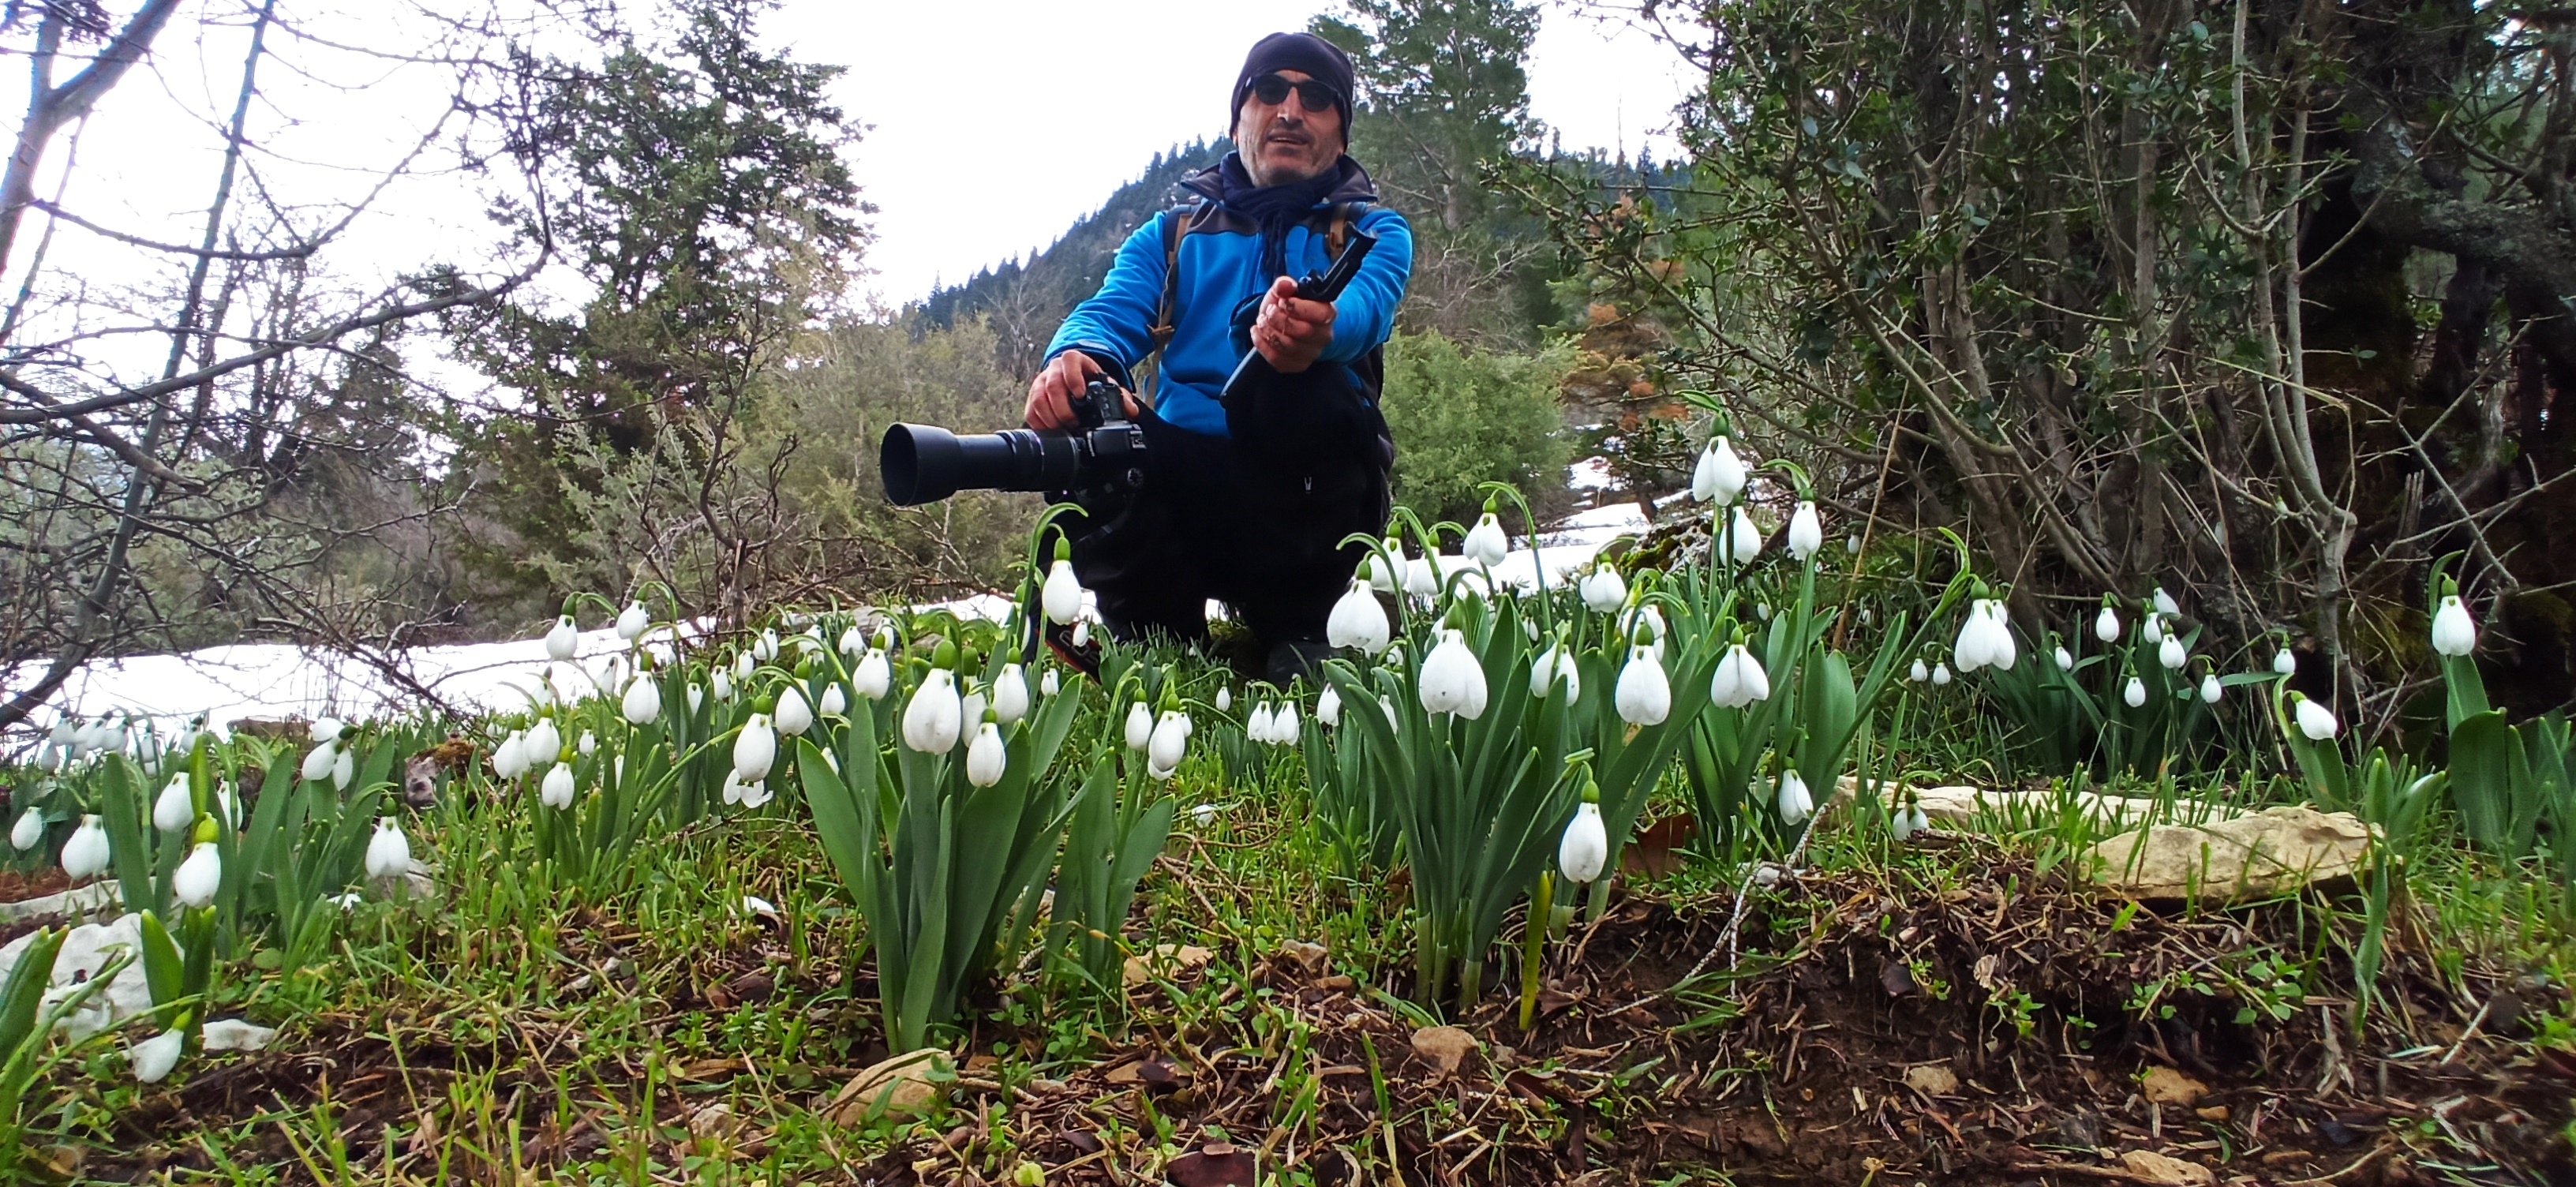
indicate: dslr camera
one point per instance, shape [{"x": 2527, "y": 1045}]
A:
[{"x": 1102, "y": 459}]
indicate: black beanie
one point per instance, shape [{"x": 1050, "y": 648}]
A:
[{"x": 1317, "y": 58}]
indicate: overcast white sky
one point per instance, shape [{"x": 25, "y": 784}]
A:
[
  {"x": 998, "y": 123},
  {"x": 993, "y": 125}
]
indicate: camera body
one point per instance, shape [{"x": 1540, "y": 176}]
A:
[{"x": 1100, "y": 463}]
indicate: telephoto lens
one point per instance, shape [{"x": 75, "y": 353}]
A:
[{"x": 926, "y": 463}]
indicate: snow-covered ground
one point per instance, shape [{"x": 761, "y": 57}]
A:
[{"x": 276, "y": 681}]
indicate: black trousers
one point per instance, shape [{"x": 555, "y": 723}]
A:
[{"x": 1255, "y": 521}]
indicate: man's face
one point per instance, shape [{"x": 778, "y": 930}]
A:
[{"x": 1286, "y": 141}]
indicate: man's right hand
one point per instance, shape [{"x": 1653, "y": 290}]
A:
[{"x": 1052, "y": 391}]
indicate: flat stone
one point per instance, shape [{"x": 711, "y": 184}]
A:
[
  {"x": 77, "y": 901},
  {"x": 899, "y": 1084},
  {"x": 1932, "y": 1079},
  {"x": 2261, "y": 855},
  {"x": 2165, "y": 1086},
  {"x": 2147, "y": 1166},
  {"x": 1444, "y": 1047},
  {"x": 1966, "y": 808},
  {"x": 1168, "y": 959}
]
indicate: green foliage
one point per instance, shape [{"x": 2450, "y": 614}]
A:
[{"x": 1462, "y": 416}]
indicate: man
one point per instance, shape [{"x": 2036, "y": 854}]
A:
[{"x": 1246, "y": 500}]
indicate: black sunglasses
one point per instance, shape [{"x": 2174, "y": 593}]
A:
[{"x": 1314, "y": 93}]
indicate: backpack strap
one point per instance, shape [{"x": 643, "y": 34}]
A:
[{"x": 1177, "y": 222}]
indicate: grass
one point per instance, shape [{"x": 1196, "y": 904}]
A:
[{"x": 508, "y": 1029}]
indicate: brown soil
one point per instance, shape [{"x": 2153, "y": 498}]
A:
[
  {"x": 1871, "y": 1034},
  {"x": 17, "y": 887}
]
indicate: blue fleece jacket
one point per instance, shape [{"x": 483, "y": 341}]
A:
[{"x": 1219, "y": 264}]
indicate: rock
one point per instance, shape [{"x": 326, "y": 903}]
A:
[
  {"x": 1971, "y": 808},
  {"x": 1932, "y": 1079},
  {"x": 1168, "y": 959},
  {"x": 2165, "y": 1086},
  {"x": 2147, "y": 1166},
  {"x": 2268, "y": 853},
  {"x": 1314, "y": 960},
  {"x": 714, "y": 1123},
  {"x": 85, "y": 953},
  {"x": 233, "y": 1034},
  {"x": 905, "y": 1083},
  {"x": 79, "y": 900},
  {"x": 1443, "y": 1047}
]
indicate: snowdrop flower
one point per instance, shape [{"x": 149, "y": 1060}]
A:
[
  {"x": 1048, "y": 683},
  {"x": 1328, "y": 707},
  {"x": 176, "y": 809},
  {"x": 1744, "y": 541},
  {"x": 1652, "y": 619},
  {"x": 835, "y": 702},
  {"x": 1257, "y": 724},
  {"x": 343, "y": 769},
  {"x": 1644, "y": 695},
  {"x": 631, "y": 622},
  {"x": 86, "y": 854},
  {"x": 2170, "y": 653},
  {"x": 934, "y": 717},
  {"x": 2455, "y": 634},
  {"x": 643, "y": 702},
  {"x": 2106, "y": 625},
  {"x": 589, "y": 744},
  {"x": 985, "y": 756},
  {"x": 794, "y": 715},
  {"x": 2135, "y": 693},
  {"x": 1380, "y": 574},
  {"x": 1283, "y": 724},
  {"x": 2164, "y": 603},
  {"x": 763, "y": 650},
  {"x": 1544, "y": 670},
  {"x": 317, "y": 763},
  {"x": 1851, "y": 543},
  {"x": 562, "y": 639},
  {"x": 2152, "y": 628},
  {"x": 1452, "y": 680},
  {"x": 1486, "y": 544},
  {"x": 199, "y": 876},
  {"x": 852, "y": 642},
  {"x": 697, "y": 698},
  {"x": 875, "y": 676},
  {"x": 1740, "y": 680},
  {"x": 1061, "y": 596},
  {"x": 326, "y": 729},
  {"x": 1358, "y": 621},
  {"x": 1169, "y": 741},
  {"x": 1081, "y": 634},
  {"x": 509, "y": 759},
  {"x": 1794, "y": 801},
  {"x": 2315, "y": 720},
  {"x": 154, "y": 1057},
  {"x": 1585, "y": 847},
  {"x": 1011, "y": 695},
  {"x": 1422, "y": 577},
  {"x": 388, "y": 851},
  {"x": 2065, "y": 659},
  {"x": 555, "y": 790},
  {"x": 1720, "y": 475},
  {"x": 749, "y": 795},
  {"x": 28, "y": 832},
  {"x": 1224, "y": 699},
  {"x": 1918, "y": 673},
  {"x": 2284, "y": 663},
  {"x": 1140, "y": 726},
  {"x": 1204, "y": 814},
  {"x": 2210, "y": 690},
  {"x": 1806, "y": 532},
  {"x": 1907, "y": 821},
  {"x": 1940, "y": 673},
  {"x": 755, "y": 749},
  {"x": 544, "y": 742},
  {"x": 1603, "y": 590}
]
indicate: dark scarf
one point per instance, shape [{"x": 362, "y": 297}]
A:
[{"x": 1276, "y": 208}]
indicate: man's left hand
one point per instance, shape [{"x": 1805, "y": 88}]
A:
[{"x": 1291, "y": 332}]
